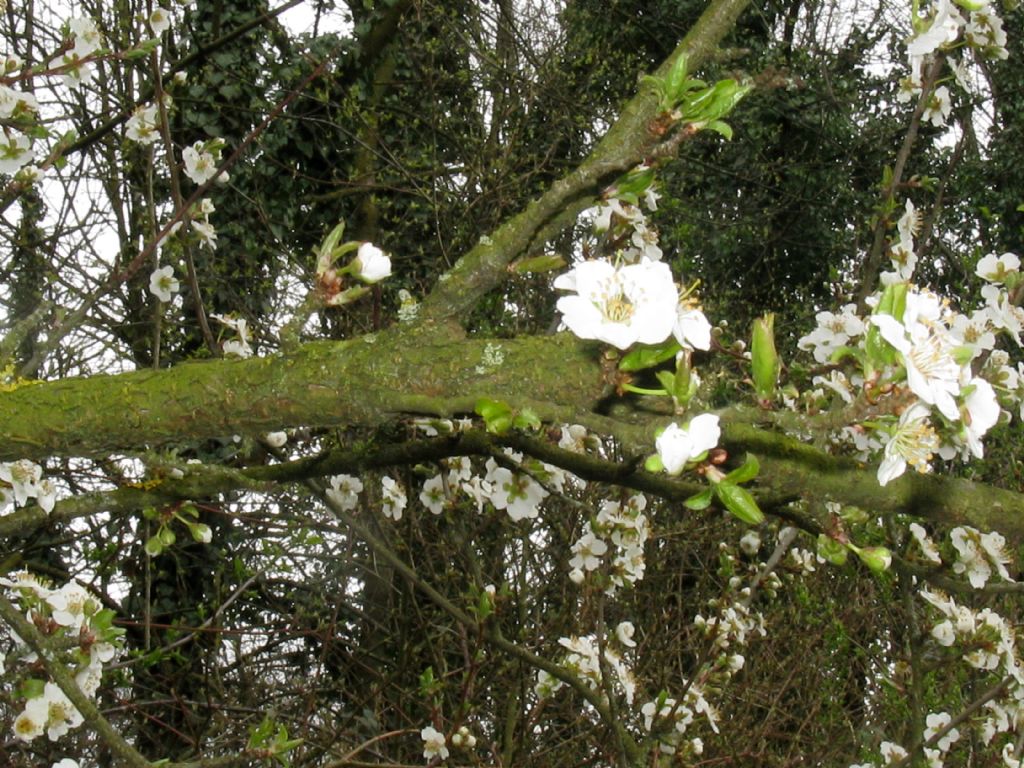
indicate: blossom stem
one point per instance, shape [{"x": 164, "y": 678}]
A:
[{"x": 642, "y": 391}]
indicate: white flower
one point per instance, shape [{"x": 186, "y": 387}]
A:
[
  {"x": 207, "y": 234},
  {"x": 159, "y": 21},
  {"x": 12, "y": 101},
  {"x": 943, "y": 633},
  {"x": 61, "y": 713},
  {"x": 433, "y": 743},
  {"x": 588, "y": 551},
  {"x": 276, "y": 439},
  {"x": 87, "y": 37},
  {"x": 519, "y": 495},
  {"x": 982, "y": 412},
  {"x": 344, "y": 491},
  {"x": 833, "y": 332},
  {"x": 1002, "y": 312},
  {"x": 23, "y": 580},
  {"x": 932, "y": 372},
  {"x": 200, "y": 165},
  {"x": 924, "y": 542},
  {"x": 371, "y": 264},
  {"x": 546, "y": 684},
  {"x": 32, "y": 721},
  {"x": 935, "y": 722},
  {"x": 912, "y": 441},
  {"x": 619, "y": 305},
  {"x": 78, "y": 75},
  {"x": 995, "y": 269},
  {"x": 67, "y": 762},
  {"x": 24, "y": 477},
  {"x": 973, "y": 332},
  {"x": 432, "y": 496},
  {"x": 971, "y": 555},
  {"x": 624, "y": 211},
  {"x": 71, "y": 604},
  {"x": 750, "y": 543},
  {"x": 574, "y": 438},
  {"x": 985, "y": 32},
  {"x": 238, "y": 347},
  {"x": 393, "y": 498},
  {"x": 163, "y": 284},
  {"x": 478, "y": 489},
  {"x": 142, "y": 125},
  {"x": 945, "y": 28},
  {"x": 15, "y": 151},
  {"x": 692, "y": 329},
  {"x": 645, "y": 241},
  {"x": 891, "y": 752},
  {"x": 677, "y": 445},
  {"x": 624, "y": 631},
  {"x": 939, "y": 107}
]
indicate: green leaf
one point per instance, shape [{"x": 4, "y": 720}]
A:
[
  {"x": 641, "y": 358},
  {"x": 667, "y": 379},
  {"x": 739, "y": 502},
  {"x": 428, "y": 685},
  {"x": 675, "y": 81},
  {"x": 721, "y": 128},
  {"x": 30, "y": 688},
  {"x": 526, "y": 419},
  {"x": 654, "y": 464},
  {"x": 260, "y": 734},
  {"x": 746, "y": 473},
  {"x": 699, "y": 501},
  {"x": 497, "y": 415}
]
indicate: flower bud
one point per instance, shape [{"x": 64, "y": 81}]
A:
[{"x": 763, "y": 357}]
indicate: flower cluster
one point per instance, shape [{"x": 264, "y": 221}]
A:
[
  {"x": 942, "y": 28},
  {"x": 584, "y": 659},
  {"x": 68, "y": 613},
  {"x": 201, "y": 159},
  {"x": 17, "y": 110},
  {"x": 632, "y": 298},
  {"x": 984, "y": 641},
  {"x": 239, "y": 346},
  {"x": 626, "y": 528},
  {"x": 669, "y": 719},
  {"x": 913, "y": 363},
  {"x": 23, "y": 480},
  {"x": 87, "y": 40}
]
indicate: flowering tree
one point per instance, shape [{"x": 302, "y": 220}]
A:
[{"x": 332, "y": 508}]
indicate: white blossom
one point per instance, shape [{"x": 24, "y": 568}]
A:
[
  {"x": 432, "y": 496},
  {"x": 163, "y": 284},
  {"x": 344, "y": 491},
  {"x": 200, "y": 165},
  {"x": 371, "y": 264},
  {"x": 433, "y": 743},
  {"x": 393, "y": 499},
  {"x": 620, "y": 306},
  {"x": 677, "y": 445}
]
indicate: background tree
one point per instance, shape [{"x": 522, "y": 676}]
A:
[{"x": 259, "y": 589}]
